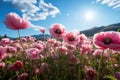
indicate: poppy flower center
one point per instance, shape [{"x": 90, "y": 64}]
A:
[
  {"x": 107, "y": 41},
  {"x": 18, "y": 65},
  {"x": 58, "y": 31},
  {"x": 71, "y": 38},
  {"x": 91, "y": 73}
]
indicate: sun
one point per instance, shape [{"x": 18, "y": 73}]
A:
[{"x": 89, "y": 15}]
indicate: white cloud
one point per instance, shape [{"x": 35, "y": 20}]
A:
[
  {"x": 35, "y": 27},
  {"x": 110, "y": 3},
  {"x": 117, "y": 6},
  {"x": 49, "y": 8},
  {"x": 98, "y": 0},
  {"x": 33, "y": 11},
  {"x": 44, "y": 11}
]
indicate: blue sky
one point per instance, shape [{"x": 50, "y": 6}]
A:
[{"x": 73, "y": 14}]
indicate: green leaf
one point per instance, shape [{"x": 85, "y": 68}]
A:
[{"x": 110, "y": 77}]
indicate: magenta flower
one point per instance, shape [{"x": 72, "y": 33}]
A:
[
  {"x": 57, "y": 30},
  {"x": 109, "y": 39},
  {"x": 13, "y": 21},
  {"x": 117, "y": 75},
  {"x": 71, "y": 38},
  {"x": 17, "y": 65},
  {"x": 33, "y": 53}
]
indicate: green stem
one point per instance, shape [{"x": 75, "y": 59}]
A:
[
  {"x": 79, "y": 73},
  {"x": 20, "y": 40},
  {"x": 99, "y": 67},
  {"x": 43, "y": 37},
  {"x": 112, "y": 63}
]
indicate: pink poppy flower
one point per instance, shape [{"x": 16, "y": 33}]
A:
[
  {"x": 43, "y": 67},
  {"x": 2, "y": 52},
  {"x": 13, "y": 21},
  {"x": 62, "y": 49},
  {"x": 33, "y": 53},
  {"x": 36, "y": 71},
  {"x": 71, "y": 38},
  {"x": 43, "y": 30},
  {"x": 71, "y": 48},
  {"x": 57, "y": 30},
  {"x": 72, "y": 58},
  {"x": 11, "y": 49},
  {"x": 37, "y": 45},
  {"x": 30, "y": 39},
  {"x": 23, "y": 39},
  {"x": 98, "y": 52},
  {"x": 17, "y": 65},
  {"x": 4, "y": 41},
  {"x": 2, "y": 64},
  {"x": 83, "y": 37},
  {"x": 17, "y": 46},
  {"x": 83, "y": 52},
  {"x": 86, "y": 46},
  {"x": 109, "y": 39}
]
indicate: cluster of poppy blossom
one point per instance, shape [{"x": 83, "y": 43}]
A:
[{"x": 68, "y": 55}]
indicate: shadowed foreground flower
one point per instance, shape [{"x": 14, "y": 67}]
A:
[
  {"x": 17, "y": 65},
  {"x": 57, "y": 30},
  {"x": 10, "y": 67},
  {"x": 13, "y": 21},
  {"x": 117, "y": 75},
  {"x": 23, "y": 76},
  {"x": 90, "y": 74},
  {"x": 2, "y": 64},
  {"x": 109, "y": 39},
  {"x": 43, "y": 67}
]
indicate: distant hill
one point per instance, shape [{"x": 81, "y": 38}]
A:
[
  {"x": 37, "y": 36},
  {"x": 41, "y": 36},
  {"x": 92, "y": 31}
]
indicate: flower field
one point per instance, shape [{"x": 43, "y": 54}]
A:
[{"x": 66, "y": 56}]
